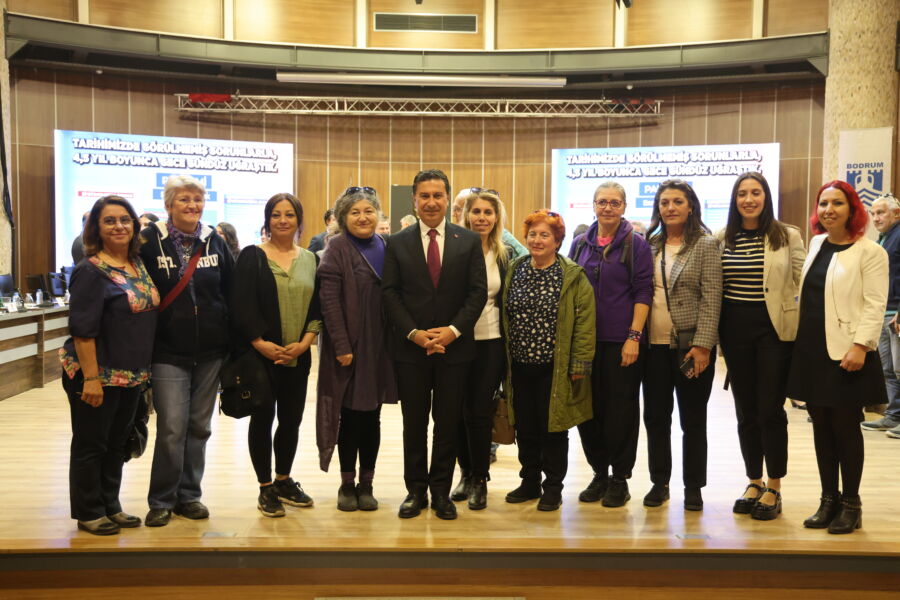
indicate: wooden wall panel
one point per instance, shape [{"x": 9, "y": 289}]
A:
[
  {"x": 324, "y": 22},
  {"x": 680, "y": 21},
  {"x": 786, "y": 17},
  {"x": 468, "y": 141},
  {"x": 110, "y": 108},
  {"x": 197, "y": 17},
  {"x": 593, "y": 133},
  {"x": 792, "y": 120},
  {"x": 34, "y": 214},
  {"x": 375, "y": 140},
  {"x": 343, "y": 139},
  {"x": 689, "y": 119},
  {"x": 659, "y": 132},
  {"x": 426, "y": 39},
  {"x": 333, "y": 152},
  {"x": 757, "y": 115},
  {"x": 535, "y": 24},
  {"x": 34, "y": 102},
  {"x": 54, "y": 9},
  {"x": 73, "y": 101},
  {"x": 146, "y": 97},
  {"x": 437, "y": 134},
  {"x": 723, "y": 117}
]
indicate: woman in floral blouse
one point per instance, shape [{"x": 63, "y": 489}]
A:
[{"x": 112, "y": 319}]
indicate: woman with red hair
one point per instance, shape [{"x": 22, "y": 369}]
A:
[
  {"x": 548, "y": 316},
  {"x": 843, "y": 293}
]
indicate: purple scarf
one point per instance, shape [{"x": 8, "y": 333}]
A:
[{"x": 184, "y": 243}]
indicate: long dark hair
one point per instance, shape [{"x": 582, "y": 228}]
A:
[
  {"x": 694, "y": 229},
  {"x": 773, "y": 229},
  {"x": 90, "y": 237}
]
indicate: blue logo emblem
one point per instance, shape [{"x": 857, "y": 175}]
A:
[{"x": 868, "y": 182}]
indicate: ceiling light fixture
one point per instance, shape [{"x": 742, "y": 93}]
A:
[{"x": 420, "y": 80}]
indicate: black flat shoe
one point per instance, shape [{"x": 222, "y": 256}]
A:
[
  {"x": 158, "y": 517},
  {"x": 767, "y": 512},
  {"x": 550, "y": 501},
  {"x": 101, "y": 526},
  {"x": 461, "y": 491},
  {"x": 412, "y": 506},
  {"x": 524, "y": 493},
  {"x": 443, "y": 508},
  {"x": 123, "y": 519},
  {"x": 743, "y": 505},
  {"x": 195, "y": 510},
  {"x": 658, "y": 494},
  {"x": 693, "y": 499},
  {"x": 829, "y": 507}
]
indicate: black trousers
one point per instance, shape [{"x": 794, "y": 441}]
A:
[
  {"x": 539, "y": 449},
  {"x": 839, "y": 446},
  {"x": 479, "y": 406},
  {"x": 359, "y": 435},
  {"x": 611, "y": 437},
  {"x": 662, "y": 377},
  {"x": 289, "y": 386},
  {"x": 758, "y": 367},
  {"x": 434, "y": 389},
  {"x": 95, "y": 459}
]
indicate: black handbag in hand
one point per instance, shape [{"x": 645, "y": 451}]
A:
[
  {"x": 246, "y": 385},
  {"x": 137, "y": 440}
]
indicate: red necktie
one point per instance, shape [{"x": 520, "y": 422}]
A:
[{"x": 434, "y": 258}]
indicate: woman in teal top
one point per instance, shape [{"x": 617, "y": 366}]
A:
[{"x": 275, "y": 312}]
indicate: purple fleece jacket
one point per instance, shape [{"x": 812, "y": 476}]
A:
[{"x": 615, "y": 290}]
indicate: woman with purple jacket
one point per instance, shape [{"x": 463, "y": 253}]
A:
[
  {"x": 619, "y": 266},
  {"x": 355, "y": 371}
]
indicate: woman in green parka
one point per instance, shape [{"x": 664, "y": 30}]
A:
[{"x": 548, "y": 314}]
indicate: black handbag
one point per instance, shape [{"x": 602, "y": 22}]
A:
[
  {"x": 246, "y": 385},
  {"x": 137, "y": 440}
]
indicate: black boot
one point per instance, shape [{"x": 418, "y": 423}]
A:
[
  {"x": 461, "y": 491},
  {"x": 829, "y": 506},
  {"x": 849, "y": 518},
  {"x": 478, "y": 493}
]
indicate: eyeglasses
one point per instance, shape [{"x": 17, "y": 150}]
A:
[
  {"x": 356, "y": 190},
  {"x": 550, "y": 213},
  {"x": 478, "y": 190},
  {"x": 123, "y": 221},
  {"x": 609, "y": 203}
]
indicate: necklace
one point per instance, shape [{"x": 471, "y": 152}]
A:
[{"x": 107, "y": 259}]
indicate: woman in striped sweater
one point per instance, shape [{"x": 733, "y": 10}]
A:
[{"x": 761, "y": 263}]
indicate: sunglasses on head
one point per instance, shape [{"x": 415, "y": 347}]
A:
[
  {"x": 478, "y": 190},
  {"x": 354, "y": 190}
]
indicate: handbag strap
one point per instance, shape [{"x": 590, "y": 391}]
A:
[
  {"x": 182, "y": 283},
  {"x": 662, "y": 269}
]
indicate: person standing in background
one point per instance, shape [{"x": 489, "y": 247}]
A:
[{"x": 317, "y": 243}]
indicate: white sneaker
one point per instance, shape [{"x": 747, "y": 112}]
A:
[{"x": 882, "y": 424}]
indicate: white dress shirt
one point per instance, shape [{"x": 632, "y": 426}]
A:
[{"x": 426, "y": 241}]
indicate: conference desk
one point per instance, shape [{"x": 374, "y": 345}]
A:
[{"x": 29, "y": 342}]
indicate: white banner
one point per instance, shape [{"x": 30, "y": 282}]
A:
[{"x": 865, "y": 160}]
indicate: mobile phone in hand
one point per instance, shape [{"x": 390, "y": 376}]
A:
[{"x": 687, "y": 366}]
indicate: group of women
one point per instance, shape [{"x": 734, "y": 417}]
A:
[{"x": 569, "y": 340}]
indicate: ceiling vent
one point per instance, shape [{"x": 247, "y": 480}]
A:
[{"x": 433, "y": 23}]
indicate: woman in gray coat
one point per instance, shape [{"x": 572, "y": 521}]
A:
[{"x": 355, "y": 372}]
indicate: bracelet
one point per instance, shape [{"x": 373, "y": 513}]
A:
[
  {"x": 94, "y": 378},
  {"x": 634, "y": 335},
  {"x": 412, "y": 335}
]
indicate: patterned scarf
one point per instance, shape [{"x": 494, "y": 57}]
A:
[{"x": 184, "y": 244}]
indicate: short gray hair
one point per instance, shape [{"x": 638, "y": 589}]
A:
[
  {"x": 611, "y": 184},
  {"x": 176, "y": 183},
  {"x": 407, "y": 220},
  {"x": 890, "y": 199},
  {"x": 348, "y": 199}
]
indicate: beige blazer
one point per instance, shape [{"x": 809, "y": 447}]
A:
[
  {"x": 855, "y": 294},
  {"x": 781, "y": 282}
]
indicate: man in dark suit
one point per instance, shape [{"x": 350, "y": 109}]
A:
[{"x": 434, "y": 289}]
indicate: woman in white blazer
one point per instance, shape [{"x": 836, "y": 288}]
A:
[
  {"x": 761, "y": 263},
  {"x": 836, "y": 368}
]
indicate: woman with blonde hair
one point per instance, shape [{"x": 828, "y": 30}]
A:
[{"x": 483, "y": 213}]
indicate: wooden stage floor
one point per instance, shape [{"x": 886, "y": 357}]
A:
[{"x": 34, "y": 522}]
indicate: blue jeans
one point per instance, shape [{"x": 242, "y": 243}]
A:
[
  {"x": 889, "y": 351},
  {"x": 185, "y": 399}
]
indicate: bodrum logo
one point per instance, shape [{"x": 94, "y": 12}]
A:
[{"x": 867, "y": 179}]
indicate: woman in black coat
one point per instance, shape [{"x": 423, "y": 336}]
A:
[{"x": 275, "y": 313}]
